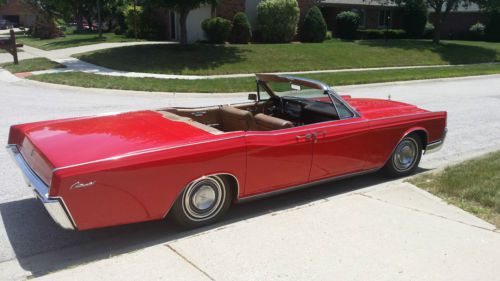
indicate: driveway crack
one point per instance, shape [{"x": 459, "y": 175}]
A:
[{"x": 190, "y": 262}]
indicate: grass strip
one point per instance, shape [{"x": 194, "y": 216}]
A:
[
  {"x": 231, "y": 85},
  {"x": 473, "y": 186},
  {"x": 30, "y": 65}
]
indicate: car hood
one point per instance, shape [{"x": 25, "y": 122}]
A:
[
  {"x": 378, "y": 108},
  {"x": 80, "y": 140}
]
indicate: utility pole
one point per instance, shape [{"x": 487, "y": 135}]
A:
[{"x": 99, "y": 18}]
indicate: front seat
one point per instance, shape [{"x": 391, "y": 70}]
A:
[
  {"x": 269, "y": 123},
  {"x": 234, "y": 119}
]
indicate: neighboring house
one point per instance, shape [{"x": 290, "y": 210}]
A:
[
  {"x": 377, "y": 16},
  {"x": 18, "y": 13},
  {"x": 226, "y": 9}
]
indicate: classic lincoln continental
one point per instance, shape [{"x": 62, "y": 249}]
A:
[{"x": 191, "y": 164}]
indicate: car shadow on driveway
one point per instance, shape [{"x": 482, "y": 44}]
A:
[{"x": 42, "y": 247}]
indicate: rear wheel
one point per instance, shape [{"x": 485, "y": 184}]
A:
[
  {"x": 202, "y": 202},
  {"x": 405, "y": 158}
]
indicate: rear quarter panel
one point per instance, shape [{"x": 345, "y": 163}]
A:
[
  {"x": 143, "y": 187},
  {"x": 387, "y": 132}
]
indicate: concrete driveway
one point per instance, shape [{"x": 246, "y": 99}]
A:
[{"x": 359, "y": 229}]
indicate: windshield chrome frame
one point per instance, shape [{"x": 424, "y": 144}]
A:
[{"x": 307, "y": 83}]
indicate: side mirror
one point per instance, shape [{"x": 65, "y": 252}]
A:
[{"x": 252, "y": 97}]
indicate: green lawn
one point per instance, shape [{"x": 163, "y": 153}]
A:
[
  {"x": 31, "y": 65},
  {"x": 72, "y": 40},
  {"x": 473, "y": 185},
  {"x": 228, "y": 85},
  {"x": 202, "y": 59}
]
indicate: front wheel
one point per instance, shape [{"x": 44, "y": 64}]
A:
[
  {"x": 405, "y": 158},
  {"x": 202, "y": 202}
]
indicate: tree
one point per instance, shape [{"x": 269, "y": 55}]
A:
[
  {"x": 183, "y": 7},
  {"x": 415, "y": 17},
  {"x": 441, "y": 10}
]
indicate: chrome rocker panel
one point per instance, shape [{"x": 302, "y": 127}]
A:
[
  {"x": 54, "y": 205},
  {"x": 436, "y": 145}
]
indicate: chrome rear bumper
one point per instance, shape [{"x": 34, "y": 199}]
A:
[
  {"x": 54, "y": 205},
  {"x": 436, "y": 145}
]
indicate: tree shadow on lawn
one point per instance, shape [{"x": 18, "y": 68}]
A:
[
  {"x": 453, "y": 53},
  {"x": 65, "y": 43},
  {"x": 42, "y": 247},
  {"x": 167, "y": 59}
]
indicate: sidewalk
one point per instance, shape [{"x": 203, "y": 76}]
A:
[{"x": 394, "y": 231}]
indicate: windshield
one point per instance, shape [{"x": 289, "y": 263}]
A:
[{"x": 285, "y": 89}]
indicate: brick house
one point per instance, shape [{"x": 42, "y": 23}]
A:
[
  {"x": 225, "y": 9},
  {"x": 18, "y": 13},
  {"x": 376, "y": 16},
  {"x": 373, "y": 16}
]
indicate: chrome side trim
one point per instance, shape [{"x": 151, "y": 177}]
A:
[
  {"x": 55, "y": 206},
  {"x": 306, "y": 185},
  {"x": 435, "y": 146}
]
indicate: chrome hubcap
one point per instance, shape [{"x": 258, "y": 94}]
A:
[
  {"x": 203, "y": 199},
  {"x": 405, "y": 155}
]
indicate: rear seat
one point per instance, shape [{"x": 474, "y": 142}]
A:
[
  {"x": 234, "y": 119},
  {"x": 268, "y": 123}
]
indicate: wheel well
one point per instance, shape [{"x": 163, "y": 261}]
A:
[
  {"x": 423, "y": 137},
  {"x": 234, "y": 184}
]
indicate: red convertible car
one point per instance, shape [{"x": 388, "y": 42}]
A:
[{"x": 193, "y": 163}]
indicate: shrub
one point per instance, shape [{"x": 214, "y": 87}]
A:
[
  {"x": 476, "y": 31},
  {"x": 217, "y": 29},
  {"x": 429, "y": 30},
  {"x": 314, "y": 27},
  {"x": 133, "y": 20},
  {"x": 45, "y": 28},
  {"x": 278, "y": 20},
  {"x": 347, "y": 25},
  {"x": 382, "y": 34},
  {"x": 492, "y": 30},
  {"x": 242, "y": 31},
  {"x": 415, "y": 17},
  {"x": 142, "y": 19},
  {"x": 329, "y": 35}
]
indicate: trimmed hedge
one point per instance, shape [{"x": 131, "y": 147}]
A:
[
  {"x": 278, "y": 20},
  {"x": 217, "y": 29},
  {"x": 476, "y": 31},
  {"x": 314, "y": 27},
  {"x": 242, "y": 31},
  {"x": 347, "y": 25},
  {"x": 382, "y": 34}
]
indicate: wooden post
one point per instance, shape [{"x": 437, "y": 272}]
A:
[
  {"x": 10, "y": 45},
  {"x": 13, "y": 46}
]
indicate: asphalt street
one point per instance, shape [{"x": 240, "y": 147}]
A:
[{"x": 28, "y": 236}]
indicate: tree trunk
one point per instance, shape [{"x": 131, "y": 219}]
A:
[
  {"x": 79, "y": 20},
  {"x": 437, "y": 27},
  {"x": 183, "y": 22}
]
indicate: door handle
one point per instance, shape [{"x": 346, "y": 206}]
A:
[
  {"x": 318, "y": 135},
  {"x": 305, "y": 137}
]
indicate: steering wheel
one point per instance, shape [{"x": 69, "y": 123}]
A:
[{"x": 269, "y": 107}]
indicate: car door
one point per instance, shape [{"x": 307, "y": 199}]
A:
[
  {"x": 278, "y": 159},
  {"x": 339, "y": 148}
]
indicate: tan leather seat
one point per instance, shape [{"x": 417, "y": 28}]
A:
[
  {"x": 234, "y": 119},
  {"x": 268, "y": 123}
]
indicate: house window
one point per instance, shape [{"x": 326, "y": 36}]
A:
[
  {"x": 384, "y": 18},
  {"x": 361, "y": 14}
]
